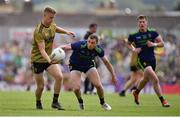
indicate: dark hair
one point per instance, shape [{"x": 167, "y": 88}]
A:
[
  {"x": 92, "y": 25},
  {"x": 142, "y": 17},
  {"x": 94, "y": 36},
  {"x": 50, "y": 10}
]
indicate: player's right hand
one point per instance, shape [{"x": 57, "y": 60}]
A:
[
  {"x": 150, "y": 44},
  {"x": 137, "y": 50},
  {"x": 54, "y": 61},
  {"x": 114, "y": 80}
]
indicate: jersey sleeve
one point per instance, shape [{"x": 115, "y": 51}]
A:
[
  {"x": 155, "y": 35},
  {"x": 101, "y": 54},
  {"x": 38, "y": 37},
  {"x": 130, "y": 39},
  {"x": 76, "y": 45},
  {"x": 100, "y": 51}
]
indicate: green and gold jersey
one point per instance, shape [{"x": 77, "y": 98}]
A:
[{"x": 42, "y": 34}]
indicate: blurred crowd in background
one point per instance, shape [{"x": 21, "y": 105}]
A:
[
  {"x": 18, "y": 18},
  {"x": 15, "y": 67}
]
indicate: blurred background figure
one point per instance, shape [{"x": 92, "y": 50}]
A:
[
  {"x": 134, "y": 77},
  {"x": 88, "y": 86}
]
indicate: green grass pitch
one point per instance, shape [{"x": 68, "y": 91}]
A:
[{"x": 23, "y": 104}]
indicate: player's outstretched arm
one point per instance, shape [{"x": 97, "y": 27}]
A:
[
  {"x": 61, "y": 30},
  {"x": 66, "y": 47},
  {"x": 110, "y": 68}
]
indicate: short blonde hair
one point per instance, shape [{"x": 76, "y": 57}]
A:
[
  {"x": 49, "y": 10},
  {"x": 142, "y": 17}
]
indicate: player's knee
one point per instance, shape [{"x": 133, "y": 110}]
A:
[
  {"x": 76, "y": 87},
  {"x": 58, "y": 78}
]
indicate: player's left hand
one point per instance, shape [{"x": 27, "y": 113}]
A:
[
  {"x": 114, "y": 80},
  {"x": 150, "y": 44},
  {"x": 54, "y": 62},
  {"x": 71, "y": 33},
  {"x": 125, "y": 40}
]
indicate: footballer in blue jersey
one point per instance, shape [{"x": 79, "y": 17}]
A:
[
  {"x": 88, "y": 86},
  {"x": 146, "y": 56},
  {"x": 143, "y": 43},
  {"x": 82, "y": 60}
]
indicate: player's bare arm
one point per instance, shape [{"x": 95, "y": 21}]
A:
[
  {"x": 66, "y": 47},
  {"x": 41, "y": 47},
  {"x": 61, "y": 30},
  {"x": 110, "y": 68},
  {"x": 132, "y": 48},
  {"x": 159, "y": 42}
]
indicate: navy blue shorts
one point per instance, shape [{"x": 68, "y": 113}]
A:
[
  {"x": 80, "y": 68},
  {"x": 142, "y": 64}
]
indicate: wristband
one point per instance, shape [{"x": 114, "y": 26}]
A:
[
  {"x": 133, "y": 49},
  {"x": 155, "y": 44}
]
